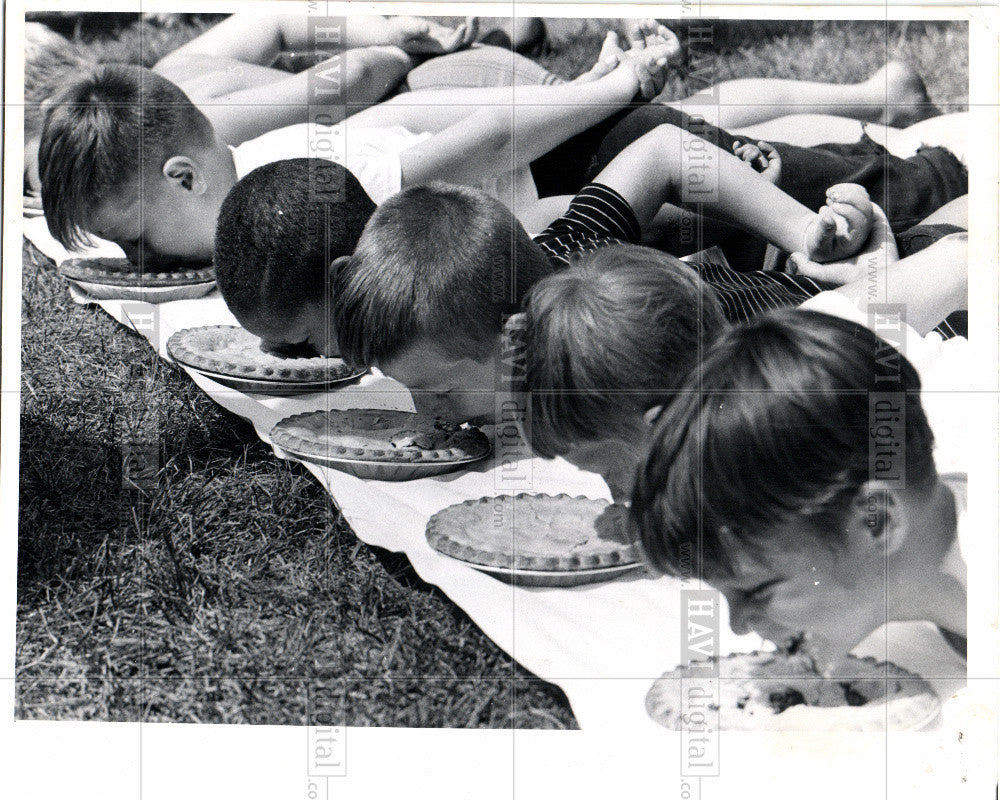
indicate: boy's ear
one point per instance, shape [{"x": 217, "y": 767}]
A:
[
  {"x": 337, "y": 265},
  {"x": 516, "y": 321},
  {"x": 879, "y": 517},
  {"x": 185, "y": 173}
]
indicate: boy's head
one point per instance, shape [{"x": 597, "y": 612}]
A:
[
  {"x": 279, "y": 231},
  {"x": 791, "y": 467},
  {"x": 607, "y": 340},
  {"x": 125, "y": 155},
  {"x": 424, "y": 296}
]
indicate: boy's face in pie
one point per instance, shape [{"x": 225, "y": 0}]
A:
[
  {"x": 310, "y": 330},
  {"x": 157, "y": 230},
  {"x": 461, "y": 389},
  {"x": 835, "y": 592},
  {"x": 615, "y": 459}
]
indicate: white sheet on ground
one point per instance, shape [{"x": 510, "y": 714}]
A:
[{"x": 602, "y": 644}]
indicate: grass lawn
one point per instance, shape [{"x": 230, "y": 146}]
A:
[{"x": 232, "y": 591}]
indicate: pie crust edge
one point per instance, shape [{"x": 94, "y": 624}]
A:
[
  {"x": 443, "y": 542},
  {"x": 78, "y": 269},
  {"x": 334, "y": 371}
]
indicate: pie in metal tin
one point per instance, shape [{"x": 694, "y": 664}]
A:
[
  {"x": 122, "y": 272},
  {"x": 380, "y": 444},
  {"x": 782, "y": 692},
  {"x": 120, "y": 279},
  {"x": 537, "y": 539},
  {"x": 233, "y": 355}
]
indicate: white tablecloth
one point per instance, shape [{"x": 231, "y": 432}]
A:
[{"x": 602, "y": 644}]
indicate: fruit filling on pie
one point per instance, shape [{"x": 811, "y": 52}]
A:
[
  {"x": 769, "y": 690},
  {"x": 368, "y": 434}
]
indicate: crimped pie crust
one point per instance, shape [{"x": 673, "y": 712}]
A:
[
  {"x": 375, "y": 435},
  {"x": 756, "y": 691},
  {"x": 554, "y": 533},
  {"x": 231, "y": 350},
  {"x": 122, "y": 272}
]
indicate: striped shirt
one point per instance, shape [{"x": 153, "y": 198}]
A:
[{"x": 599, "y": 216}]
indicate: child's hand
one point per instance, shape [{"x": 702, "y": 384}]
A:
[
  {"x": 607, "y": 60},
  {"x": 653, "y": 46},
  {"x": 762, "y": 157},
  {"x": 648, "y": 33},
  {"x": 879, "y": 252},
  {"x": 842, "y": 225},
  {"x": 419, "y": 36}
]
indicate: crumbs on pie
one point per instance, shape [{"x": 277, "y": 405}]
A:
[
  {"x": 783, "y": 691},
  {"x": 379, "y": 435}
]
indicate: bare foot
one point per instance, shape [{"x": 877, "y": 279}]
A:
[
  {"x": 842, "y": 226},
  {"x": 906, "y": 98}
]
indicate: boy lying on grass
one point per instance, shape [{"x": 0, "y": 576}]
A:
[
  {"x": 227, "y": 71},
  {"x": 92, "y": 167},
  {"x": 608, "y": 341},
  {"x": 797, "y": 461},
  {"x": 424, "y": 294}
]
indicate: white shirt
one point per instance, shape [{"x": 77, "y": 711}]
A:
[{"x": 371, "y": 154}]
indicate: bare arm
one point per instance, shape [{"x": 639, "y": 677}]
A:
[
  {"x": 354, "y": 80},
  {"x": 436, "y": 110},
  {"x": 931, "y": 284},
  {"x": 251, "y": 38},
  {"x": 495, "y": 139}
]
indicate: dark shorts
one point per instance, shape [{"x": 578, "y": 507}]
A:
[
  {"x": 907, "y": 189},
  {"x": 915, "y": 239}
]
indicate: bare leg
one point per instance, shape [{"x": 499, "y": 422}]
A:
[
  {"x": 893, "y": 95},
  {"x": 806, "y": 130},
  {"x": 954, "y": 213},
  {"x": 949, "y": 131},
  {"x": 243, "y": 100}
]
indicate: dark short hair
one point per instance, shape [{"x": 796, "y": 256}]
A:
[
  {"x": 278, "y": 231},
  {"x": 440, "y": 262},
  {"x": 610, "y": 337},
  {"x": 777, "y": 424},
  {"x": 104, "y": 130}
]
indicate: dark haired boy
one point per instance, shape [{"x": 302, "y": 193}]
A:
[
  {"x": 799, "y": 462},
  {"x": 424, "y": 295},
  {"x": 278, "y": 230}
]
